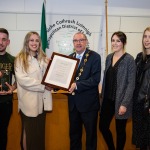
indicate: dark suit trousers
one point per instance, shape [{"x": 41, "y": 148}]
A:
[
  {"x": 5, "y": 114},
  {"x": 77, "y": 120},
  {"x": 106, "y": 116}
]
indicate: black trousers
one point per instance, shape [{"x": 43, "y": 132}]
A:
[
  {"x": 106, "y": 116},
  {"x": 77, "y": 120},
  {"x": 5, "y": 114}
]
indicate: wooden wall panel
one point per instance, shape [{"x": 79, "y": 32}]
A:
[{"x": 57, "y": 128}]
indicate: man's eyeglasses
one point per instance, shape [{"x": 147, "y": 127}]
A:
[{"x": 80, "y": 41}]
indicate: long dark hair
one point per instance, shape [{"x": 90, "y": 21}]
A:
[{"x": 121, "y": 35}]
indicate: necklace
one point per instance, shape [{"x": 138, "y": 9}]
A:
[{"x": 82, "y": 67}]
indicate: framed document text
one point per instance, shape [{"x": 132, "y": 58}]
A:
[{"x": 60, "y": 71}]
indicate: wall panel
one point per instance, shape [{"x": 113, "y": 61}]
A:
[
  {"x": 28, "y": 21},
  {"x": 134, "y": 24},
  {"x": 8, "y": 21}
]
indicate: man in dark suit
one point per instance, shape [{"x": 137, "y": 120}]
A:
[{"x": 83, "y": 99}]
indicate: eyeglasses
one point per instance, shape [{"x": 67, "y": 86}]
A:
[{"x": 80, "y": 41}]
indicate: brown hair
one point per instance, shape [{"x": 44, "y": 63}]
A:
[
  {"x": 121, "y": 35},
  {"x": 3, "y": 30}
]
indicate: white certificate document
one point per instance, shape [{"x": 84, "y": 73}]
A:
[{"x": 60, "y": 71}]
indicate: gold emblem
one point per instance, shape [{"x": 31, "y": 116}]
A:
[
  {"x": 85, "y": 60},
  {"x": 81, "y": 70},
  {"x": 77, "y": 78},
  {"x": 87, "y": 55}
]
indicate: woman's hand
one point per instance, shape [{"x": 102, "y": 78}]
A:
[
  {"x": 48, "y": 88},
  {"x": 122, "y": 110}
]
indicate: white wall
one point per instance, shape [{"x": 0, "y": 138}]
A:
[{"x": 21, "y": 16}]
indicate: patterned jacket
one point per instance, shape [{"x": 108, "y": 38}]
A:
[{"x": 125, "y": 84}]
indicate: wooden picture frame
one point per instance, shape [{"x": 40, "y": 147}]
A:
[{"x": 60, "y": 71}]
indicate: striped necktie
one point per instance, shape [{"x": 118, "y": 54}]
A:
[{"x": 79, "y": 57}]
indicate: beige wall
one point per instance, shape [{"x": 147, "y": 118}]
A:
[
  {"x": 19, "y": 24},
  {"x": 21, "y": 16}
]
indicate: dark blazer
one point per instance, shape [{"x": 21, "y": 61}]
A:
[{"x": 86, "y": 96}]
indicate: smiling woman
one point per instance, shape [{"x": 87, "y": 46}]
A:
[
  {"x": 117, "y": 91},
  {"x": 33, "y": 97},
  {"x": 141, "y": 115}
]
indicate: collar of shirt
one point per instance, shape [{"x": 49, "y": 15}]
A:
[{"x": 80, "y": 55}]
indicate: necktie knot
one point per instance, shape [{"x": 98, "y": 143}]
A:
[{"x": 78, "y": 56}]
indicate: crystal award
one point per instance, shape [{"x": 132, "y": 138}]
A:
[{"x": 5, "y": 78}]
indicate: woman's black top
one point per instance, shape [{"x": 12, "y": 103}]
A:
[{"x": 111, "y": 80}]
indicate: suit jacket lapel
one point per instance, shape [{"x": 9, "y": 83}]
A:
[{"x": 82, "y": 61}]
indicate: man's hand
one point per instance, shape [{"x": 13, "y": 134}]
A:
[
  {"x": 72, "y": 88},
  {"x": 10, "y": 89},
  {"x": 1, "y": 74}
]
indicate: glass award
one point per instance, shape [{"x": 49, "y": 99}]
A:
[{"x": 5, "y": 78}]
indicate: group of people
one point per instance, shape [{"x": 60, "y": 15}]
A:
[
  {"x": 125, "y": 88},
  {"x": 34, "y": 99}
]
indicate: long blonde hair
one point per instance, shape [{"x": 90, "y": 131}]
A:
[
  {"x": 23, "y": 55},
  {"x": 143, "y": 47}
]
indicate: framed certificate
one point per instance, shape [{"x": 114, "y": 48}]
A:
[{"x": 60, "y": 71}]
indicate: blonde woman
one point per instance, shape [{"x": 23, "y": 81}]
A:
[
  {"x": 141, "y": 119},
  {"x": 33, "y": 97}
]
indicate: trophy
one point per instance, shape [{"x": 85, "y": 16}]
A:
[{"x": 5, "y": 78}]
